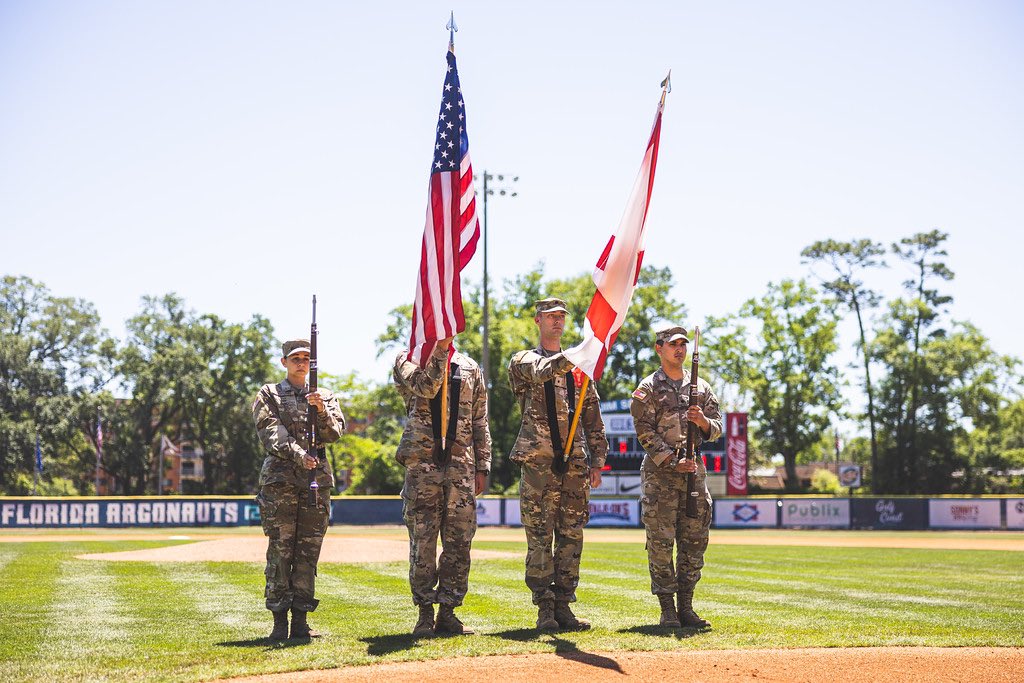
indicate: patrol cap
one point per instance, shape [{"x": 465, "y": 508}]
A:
[
  {"x": 550, "y": 305},
  {"x": 670, "y": 334},
  {"x": 290, "y": 348}
]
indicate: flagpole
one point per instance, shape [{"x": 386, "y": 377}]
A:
[
  {"x": 576, "y": 414},
  {"x": 35, "y": 468}
]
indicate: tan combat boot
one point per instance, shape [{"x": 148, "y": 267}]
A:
[
  {"x": 425, "y": 625},
  {"x": 300, "y": 629},
  {"x": 447, "y": 622},
  {"x": 567, "y": 620},
  {"x": 546, "y": 616},
  {"x": 669, "y": 617},
  {"x": 280, "y": 631},
  {"x": 687, "y": 616}
]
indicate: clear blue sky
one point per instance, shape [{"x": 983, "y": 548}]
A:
[{"x": 247, "y": 154}]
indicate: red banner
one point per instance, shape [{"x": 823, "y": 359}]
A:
[{"x": 736, "y": 453}]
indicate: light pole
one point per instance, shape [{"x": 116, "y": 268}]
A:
[{"x": 503, "y": 188}]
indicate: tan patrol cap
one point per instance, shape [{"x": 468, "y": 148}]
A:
[
  {"x": 670, "y": 334},
  {"x": 290, "y": 348},
  {"x": 550, "y": 305}
]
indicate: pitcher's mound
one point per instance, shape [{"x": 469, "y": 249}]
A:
[{"x": 340, "y": 549}]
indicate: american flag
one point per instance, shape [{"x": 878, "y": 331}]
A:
[
  {"x": 618, "y": 267},
  {"x": 452, "y": 227},
  {"x": 99, "y": 440}
]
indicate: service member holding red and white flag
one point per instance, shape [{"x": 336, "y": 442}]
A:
[{"x": 556, "y": 478}]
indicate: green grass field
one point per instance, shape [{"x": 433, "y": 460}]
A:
[{"x": 63, "y": 618}]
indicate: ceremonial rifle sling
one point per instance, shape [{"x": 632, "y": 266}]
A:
[
  {"x": 443, "y": 455},
  {"x": 559, "y": 464}
]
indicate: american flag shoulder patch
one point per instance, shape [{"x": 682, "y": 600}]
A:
[{"x": 640, "y": 394}]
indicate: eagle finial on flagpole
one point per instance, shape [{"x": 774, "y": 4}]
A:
[{"x": 452, "y": 28}]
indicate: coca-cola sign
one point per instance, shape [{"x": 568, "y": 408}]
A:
[{"x": 736, "y": 454}]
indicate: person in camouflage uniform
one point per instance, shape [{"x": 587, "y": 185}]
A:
[
  {"x": 661, "y": 412},
  {"x": 441, "y": 485},
  {"x": 554, "y": 494},
  {"x": 295, "y": 527}
]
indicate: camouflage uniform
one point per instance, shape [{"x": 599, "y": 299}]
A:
[
  {"x": 659, "y": 415},
  {"x": 439, "y": 496},
  {"x": 554, "y": 507},
  {"x": 295, "y": 528}
]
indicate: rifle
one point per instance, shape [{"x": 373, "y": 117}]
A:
[
  {"x": 693, "y": 432},
  {"x": 315, "y": 449}
]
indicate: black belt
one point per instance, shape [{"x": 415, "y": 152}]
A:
[
  {"x": 559, "y": 464},
  {"x": 443, "y": 455}
]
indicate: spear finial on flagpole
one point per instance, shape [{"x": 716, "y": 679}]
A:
[
  {"x": 452, "y": 28},
  {"x": 666, "y": 86}
]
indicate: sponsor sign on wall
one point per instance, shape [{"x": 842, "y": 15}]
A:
[
  {"x": 966, "y": 513},
  {"x": 828, "y": 512},
  {"x": 114, "y": 512},
  {"x": 614, "y": 512},
  {"x": 746, "y": 513},
  {"x": 488, "y": 511},
  {"x": 513, "y": 513},
  {"x": 609, "y": 485},
  {"x": 1015, "y": 513},
  {"x": 889, "y": 513},
  {"x": 736, "y": 454},
  {"x": 629, "y": 485}
]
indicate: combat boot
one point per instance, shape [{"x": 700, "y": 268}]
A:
[
  {"x": 300, "y": 629},
  {"x": 567, "y": 620},
  {"x": 280, "y": 631},
  {"x": 687, "y": 616},
  {"x": 425, "y": 625},
  {"x": 447, "y": 622},
  {"x": 669, "y": 617},
  {"x": 546, "y": 616}
]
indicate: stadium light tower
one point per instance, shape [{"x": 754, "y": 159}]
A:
[{"x": 500, "y": 184}]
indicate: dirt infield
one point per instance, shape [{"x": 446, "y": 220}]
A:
[
  {"x": 336, "y": 549},
  {"x": 852, "y": 665}
]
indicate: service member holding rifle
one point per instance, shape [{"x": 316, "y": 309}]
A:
[
  {"x": 673, "y": 412},
  {"x": 293, "y": 421}
]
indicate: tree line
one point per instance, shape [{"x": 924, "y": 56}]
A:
[{"x": 942, "y": 411}]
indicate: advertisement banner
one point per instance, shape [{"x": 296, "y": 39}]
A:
[
  {"x": 746, "y": 513},
  {"x": 629, "y": 485},
  {"x": 614, "y": 512},
  {"x": 488, "y": 511},
  {"x": 609, "y": 485},
  {"x": 827, "y": 512},
  {"x": 849, "y": 476},
  {"x": 889, "y": 513},
  {"x": 965, "y": 513},
  {"x": 513, "y": 513},
  {"x": 736, "y": 454},
  {"x": 1015, "y": 513},
  {"x": 136, "y": 512}
]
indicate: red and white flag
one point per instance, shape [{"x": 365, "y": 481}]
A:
[
  {"x": 618, "y": 268},
  {"x": 452, "y": 227}
]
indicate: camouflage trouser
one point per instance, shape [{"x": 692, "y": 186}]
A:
[
  {"x": 555, "y": 508},
  {"x": 296, "y": 531},
  {"x": 664, "y": 516},
  {"x": 436, "y": 502}
]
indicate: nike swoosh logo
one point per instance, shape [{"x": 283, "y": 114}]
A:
[{"x": 634, "y": 487}]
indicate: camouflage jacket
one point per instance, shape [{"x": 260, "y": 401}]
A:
[
  {"x": 280, "y": 412},
  {"x": 472, "y": 448},
  {"x": 659, "y": 416},
  {"x": 527, "y": 373}
]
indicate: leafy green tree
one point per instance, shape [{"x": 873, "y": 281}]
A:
[
  {"x": 782, "y": 365},
  {"x": 847, "y": 261},
  {"x": 823, "y": 481},
  {"x": 53, "y": 353}
]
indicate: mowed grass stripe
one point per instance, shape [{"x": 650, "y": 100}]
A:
[
  {"x": 26, "y": 593},
  {"x": 89, "y": 623},
  {"x": 216, "y": 601}
]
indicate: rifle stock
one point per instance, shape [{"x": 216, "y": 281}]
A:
[{"x": 692, "y": 432}]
